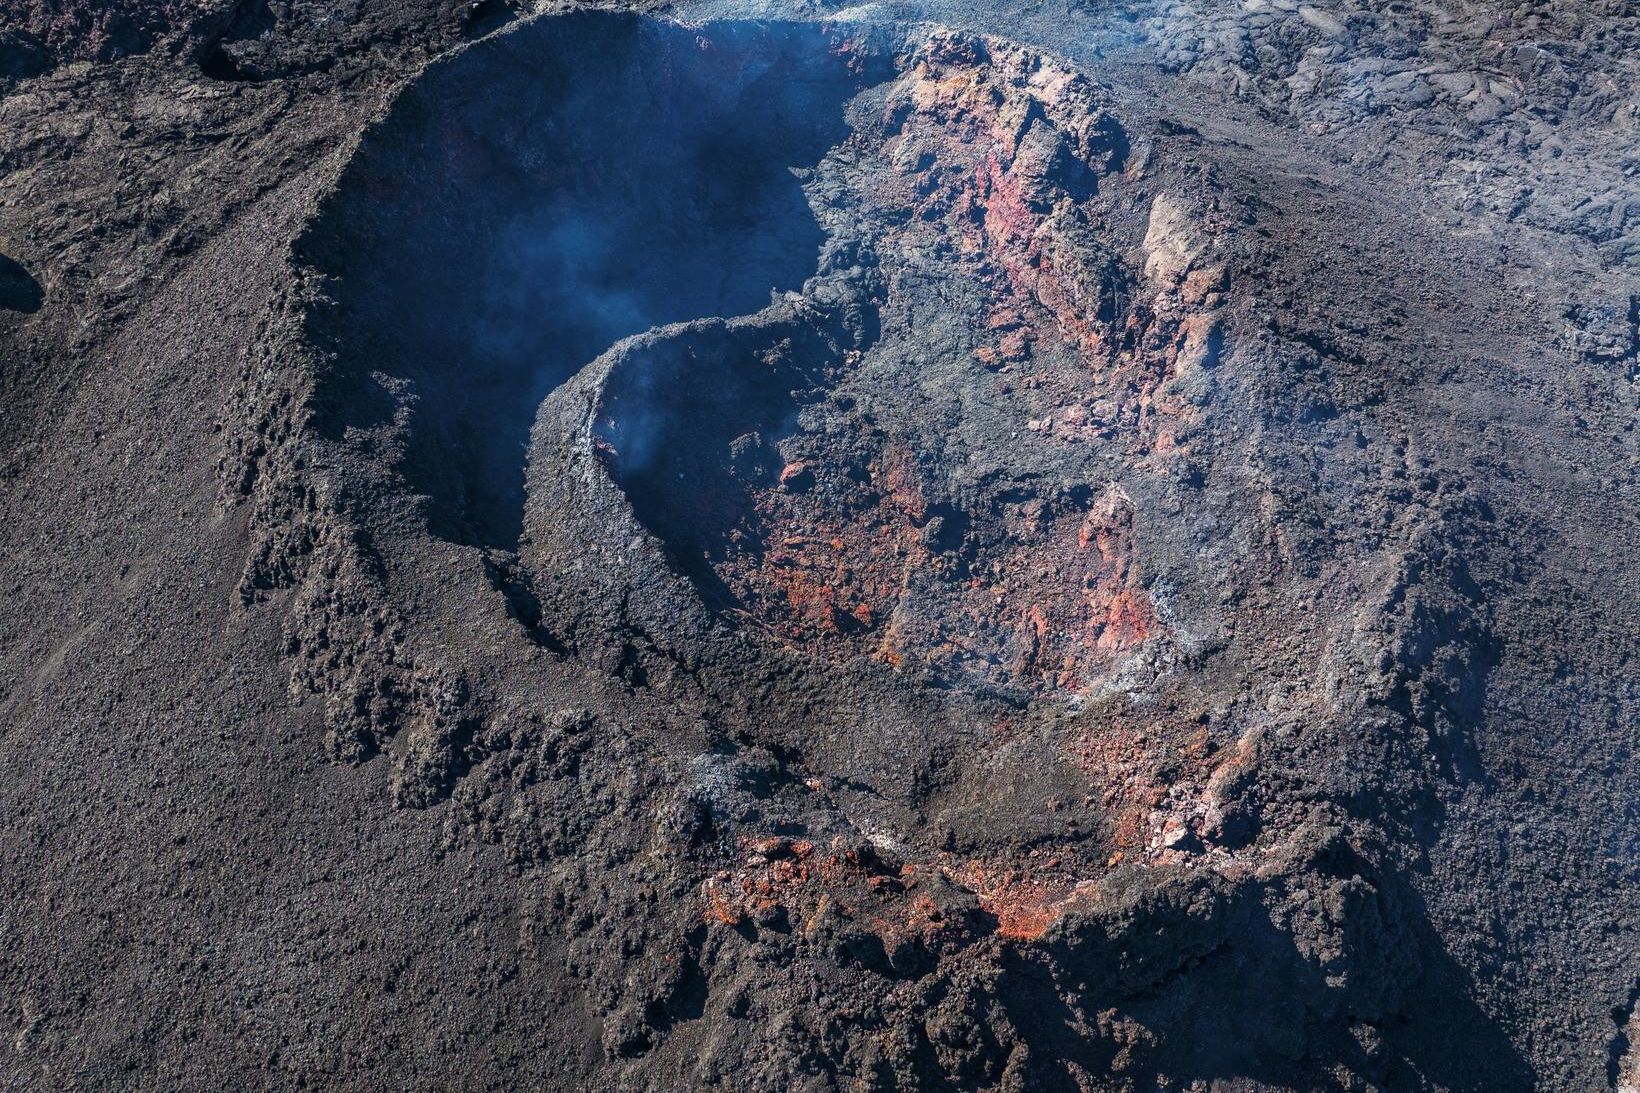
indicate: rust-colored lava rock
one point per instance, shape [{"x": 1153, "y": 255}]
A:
[
  {"x": 844, "y": 532},
  {"x": 786, "y": 546}
]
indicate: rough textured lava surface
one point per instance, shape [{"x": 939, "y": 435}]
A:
[{"x": 1074, "y": 546}]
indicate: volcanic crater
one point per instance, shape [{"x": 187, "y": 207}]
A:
[
  {"x": 761, "y": 361},
  {"x": 841, "y": 553}
]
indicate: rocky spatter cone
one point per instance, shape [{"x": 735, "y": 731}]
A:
[{"x": 918, "y": 737}]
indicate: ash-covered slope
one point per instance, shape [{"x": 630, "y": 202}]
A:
[{"x": 877, "y": 548}]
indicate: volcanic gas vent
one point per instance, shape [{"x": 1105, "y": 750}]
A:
[{"x": 541, "y": 195}]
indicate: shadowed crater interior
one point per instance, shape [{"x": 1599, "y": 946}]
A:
[
  {"x": 18, "y": 290},
  {"x": 540, "y": 196}
]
